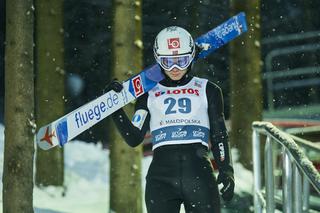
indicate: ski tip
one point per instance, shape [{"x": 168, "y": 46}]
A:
[
  {"x": 242, "y": 21},
  {"x": 241, "y": 14}
]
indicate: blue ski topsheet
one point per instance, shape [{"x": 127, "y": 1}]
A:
[
  {"x": 145, "y": 81},
  {"x": 222, "y": 34}
]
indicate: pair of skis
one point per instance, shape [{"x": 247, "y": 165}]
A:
[{"x": 64, "y": 129}]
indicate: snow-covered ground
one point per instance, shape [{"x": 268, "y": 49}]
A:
[{"x": 87, "y": 180}]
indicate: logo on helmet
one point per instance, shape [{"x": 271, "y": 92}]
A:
[{"x": 173, "y": 43}]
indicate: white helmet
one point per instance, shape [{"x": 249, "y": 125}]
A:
[{"x": 174, "y": 47}]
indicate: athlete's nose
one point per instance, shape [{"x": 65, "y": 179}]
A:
[{"x": 175, "y": 69}]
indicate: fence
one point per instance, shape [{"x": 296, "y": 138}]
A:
[{"x": 296, "y": 169}]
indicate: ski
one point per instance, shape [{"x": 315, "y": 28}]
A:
[{"x": 64, "y": 129}]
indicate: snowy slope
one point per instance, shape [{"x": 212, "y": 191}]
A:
[{"x": 87, "y": 180}]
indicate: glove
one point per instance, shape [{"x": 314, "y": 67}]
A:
[
  {"x": 227, "y": 180},
  {"x": 115, "y": 85}
]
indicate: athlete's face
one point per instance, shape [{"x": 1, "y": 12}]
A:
[{"x": 175, "y": 74}]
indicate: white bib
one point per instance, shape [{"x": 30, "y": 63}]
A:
[{"x": 179, "y": 115}]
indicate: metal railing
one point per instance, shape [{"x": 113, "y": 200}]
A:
[
  {"x": 271, "y": 75},
  {"x": 297, "y": 169},
  {"x": 311, "y": 44}
]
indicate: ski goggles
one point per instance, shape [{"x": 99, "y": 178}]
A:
[{"x": 180, "y": 61}]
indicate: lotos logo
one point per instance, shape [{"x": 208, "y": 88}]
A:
[
  {"x": 173, "y": 43},
  {"x": 160, "y": 136},
  {"x": 137, "y": 86},
  {"x": 178, "y": 91},
  {"x": 179, "y": 134}
]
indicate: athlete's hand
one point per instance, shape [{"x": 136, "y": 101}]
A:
[
  {"x": 115, "y": 85},
  {"x": 227, "y": 179}
]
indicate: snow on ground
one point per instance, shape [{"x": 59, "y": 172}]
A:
[
  {"x": 87, "y": 180},
  {"x": 86, "y": 188},
  {"x": 243, "y": 177}
]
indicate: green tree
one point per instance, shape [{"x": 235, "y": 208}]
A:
[
  {"x": 49, "y": 85},
  {"x": 125, "y": 172},
  {"x": 19, "y": 108},
  {"x": 245, "y": 75}
]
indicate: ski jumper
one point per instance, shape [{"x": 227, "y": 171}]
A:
[{"x": 182, "y": 118}]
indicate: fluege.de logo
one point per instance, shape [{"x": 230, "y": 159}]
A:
[{"x": 95, "y": 112}]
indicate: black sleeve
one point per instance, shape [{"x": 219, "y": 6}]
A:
[
  {"x": 131, "y": 134},
  {"x": 218, "y": 131}
]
